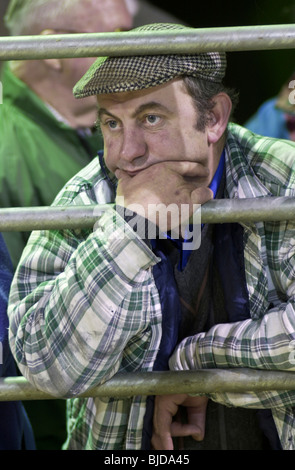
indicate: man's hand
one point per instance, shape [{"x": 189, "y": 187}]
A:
[
  {"x": 166, "y": 407},
  {"x": 181, "y": 184}
]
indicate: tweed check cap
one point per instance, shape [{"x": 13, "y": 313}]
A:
[{"x": 131, "y": 73}]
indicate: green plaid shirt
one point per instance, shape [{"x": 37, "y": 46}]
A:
[{"x": 84, "y": 304}]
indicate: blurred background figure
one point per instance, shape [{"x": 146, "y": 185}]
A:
[
  {"x": 152, "y": 12},
  {"x": 276, "y": 116},
  {"x": 15, "y": 429},
  {"x": 46, "y": 136}
]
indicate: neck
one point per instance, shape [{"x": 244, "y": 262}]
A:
[{"x": 216, "y": 152}]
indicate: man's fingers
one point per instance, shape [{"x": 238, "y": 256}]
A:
[
  {"x": 196, "y": 415},
  {"x": 197, "y": 419},
  {"x": 201, "y": 195},
  {"x": 183, "y": 430},
  {"x": 160, "y": 442},
  {"x": 165, "y": 441},
  {"x": 165, "y": 428},
  {"x": 165, "y": 408}
]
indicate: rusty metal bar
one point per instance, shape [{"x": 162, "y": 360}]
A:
[
  {"x": 159, "y": 383},
  {"x": 239, "y": 38},
  {"x": 216, "y": 211}
]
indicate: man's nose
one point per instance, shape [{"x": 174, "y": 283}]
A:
[{"x": 133, "y": 145}]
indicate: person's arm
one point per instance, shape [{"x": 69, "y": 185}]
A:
[
  {"x": 264, "y": 343},
  {"x": 75, "y": 304},
  {"x": 261, "y": 344}
]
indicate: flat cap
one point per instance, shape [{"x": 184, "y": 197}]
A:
[{"x": 131, "y": 73}]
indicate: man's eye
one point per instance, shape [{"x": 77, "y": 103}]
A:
[
  {"x": 112, "y": 124},
  {"x": 152, "y": 119}
]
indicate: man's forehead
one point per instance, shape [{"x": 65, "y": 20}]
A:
[{"x": 161, "y": 92}]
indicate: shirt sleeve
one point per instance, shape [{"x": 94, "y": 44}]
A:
[
  {"x": 261, "y": 344},
  {"x": 78, "y": 302},
  {"x": 266, "y": 343}
]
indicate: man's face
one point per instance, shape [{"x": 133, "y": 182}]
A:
[{"x": 146, "y": 127}]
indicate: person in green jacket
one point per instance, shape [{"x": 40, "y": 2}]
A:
[{"x": 46, "y": 136}]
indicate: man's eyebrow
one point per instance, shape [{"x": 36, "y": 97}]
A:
[
  {"x": 150, "y": 106},
  {"x": 102, "y": 111}
]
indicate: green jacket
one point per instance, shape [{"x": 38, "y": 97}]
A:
[{"x": 38, "y": 153}]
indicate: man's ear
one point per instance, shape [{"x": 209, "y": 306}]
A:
[
  {"x": 218, "y": 117},
  {"x": 55, "y": 64}
]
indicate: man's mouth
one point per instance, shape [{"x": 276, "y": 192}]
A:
[{"x": 118, "y": 173}]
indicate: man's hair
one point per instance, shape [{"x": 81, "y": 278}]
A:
[
  {"x": 26, "y": 17},
  {"x": 203, "y": 92}
]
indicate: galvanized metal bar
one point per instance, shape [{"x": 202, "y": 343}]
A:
[
  {"x": 216, "y": 211},
  {"x": 159, "y": 383},
  {"x": 248, "y": 210},
  {"x": 50, "y": 218},
  {"x": 239, "y": 38}
]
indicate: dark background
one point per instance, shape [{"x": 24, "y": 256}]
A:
[{"x": 258, "y": 75}]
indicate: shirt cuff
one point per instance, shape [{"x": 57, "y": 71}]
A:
[{"x": 124, "y": 248}]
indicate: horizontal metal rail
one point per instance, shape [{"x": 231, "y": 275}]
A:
[
  {"x": 239, "y": 38},
  {"x": 216, "y": 211},
  {"x": 160, "y": 383}
]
